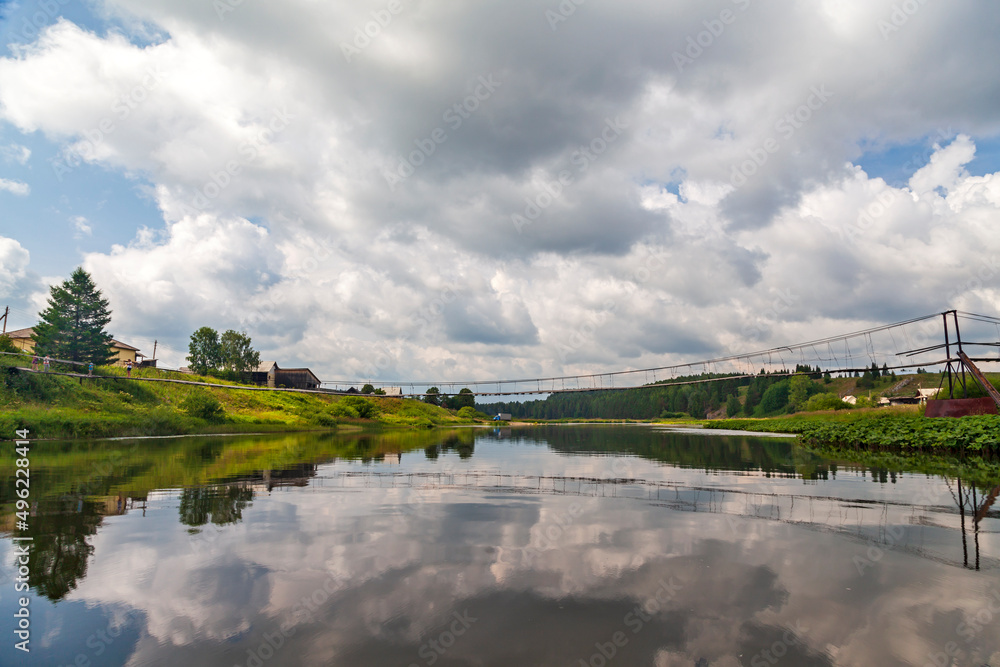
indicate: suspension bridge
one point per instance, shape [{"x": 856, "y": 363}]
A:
[{"x": 931, "y": 341}]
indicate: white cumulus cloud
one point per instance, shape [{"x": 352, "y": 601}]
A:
[
  {"x": 668, "y": 203},
  {"x": 15, "y": 187}
]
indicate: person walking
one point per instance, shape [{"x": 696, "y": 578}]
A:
[
  {"x": 128, "y": 368},
  {"x": 46, "y": 363},
  {"x": 34, "y": 363},
  {"x": 90, "y": 368}
]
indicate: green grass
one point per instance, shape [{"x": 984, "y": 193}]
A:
[
  {"x": 53, "y": 407},
  {"x": 882, "y": 430}
]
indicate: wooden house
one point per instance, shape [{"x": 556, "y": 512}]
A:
[
  {"x": 265, "y": 374},
  {"x": 269, "y": 374},
  {"x": 22, "y": 339},
  {"x": 296, "y": 378}
]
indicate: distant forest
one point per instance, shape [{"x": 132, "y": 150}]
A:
[{"x": 766, "y": 394}]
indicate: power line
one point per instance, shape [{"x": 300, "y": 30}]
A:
[{"x": 596, "y": 380}]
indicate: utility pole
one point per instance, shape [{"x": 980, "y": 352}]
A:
[
  {"x": 154, "y": 348},
  {"x": 6, "y": 311}
]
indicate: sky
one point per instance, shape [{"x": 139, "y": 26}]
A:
[{"x": 418, "y": 189}]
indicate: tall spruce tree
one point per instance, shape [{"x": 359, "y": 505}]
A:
[{"x": 72, "y": 327}]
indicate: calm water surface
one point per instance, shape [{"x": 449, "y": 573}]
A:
[{"x": 571, "y": 546}]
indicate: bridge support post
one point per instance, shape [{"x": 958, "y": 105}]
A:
[
  {"x": 947, "y": 354},
  {"x": 961, "y": 354}
]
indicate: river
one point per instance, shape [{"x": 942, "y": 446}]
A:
[{"x": 569, "y": 545}]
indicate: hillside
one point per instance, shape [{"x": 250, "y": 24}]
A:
[
  {"x": 716, "y": 396},
  {"x": 53, "y": 406}
]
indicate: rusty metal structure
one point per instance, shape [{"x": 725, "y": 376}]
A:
[{"x": 956, "y": 369}]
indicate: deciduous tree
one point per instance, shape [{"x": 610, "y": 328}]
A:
[
  {"x": 204, "y": 351},
  {"x": 464, "y": 399},
  {"x": 798, "y": 392},
  {"x": 432, "y": 396},
  {"x": 238, "y": 355},
  {"x": 733, "y": 406}
]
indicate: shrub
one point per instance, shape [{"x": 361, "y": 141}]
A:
[
  {"x": 774, "y": 399},
  {"x": 826, "y": 402},
  {"x": 324, "y": 419},
  {"x": 203, "y": 405},
  {"x": 733, "y": 406},
  {"x": 360, "y": 407},
  {"x": 468, "y": 413},
  {"x": 7, "y": 345},
  {"x": 342, "y": 410}
]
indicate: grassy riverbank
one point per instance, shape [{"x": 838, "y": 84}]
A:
[
  {"x": 882, "y": 430},
  {"x": 54, "y": 407},
  {"x": 108, "y": 468}
]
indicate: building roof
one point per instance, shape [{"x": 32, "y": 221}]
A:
[
  {"x": 266, "y": 366},
  {"x": 298, "y": 370},
  {"x": 30, "y": 331},
  {"x": 21, "y": 333}
]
